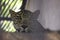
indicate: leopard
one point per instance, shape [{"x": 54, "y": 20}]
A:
[{"x": 21, "y": 20}]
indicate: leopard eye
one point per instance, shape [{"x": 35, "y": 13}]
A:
[{"x": 17, "y": 15}]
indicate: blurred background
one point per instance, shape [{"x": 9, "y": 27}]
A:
[{"x": 46, "y": 15}]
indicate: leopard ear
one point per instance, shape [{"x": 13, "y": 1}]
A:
[{"x": 11, "y": 11}]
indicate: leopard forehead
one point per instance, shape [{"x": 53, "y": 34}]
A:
[{"x": 17, "y": 14}]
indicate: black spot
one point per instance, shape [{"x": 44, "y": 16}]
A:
[{"x": 18, "y": 30}]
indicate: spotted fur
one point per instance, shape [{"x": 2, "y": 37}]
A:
[{"x": 21, "y": 20}]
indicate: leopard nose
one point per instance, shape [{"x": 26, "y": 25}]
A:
[{"x": 24, "y": 26}]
